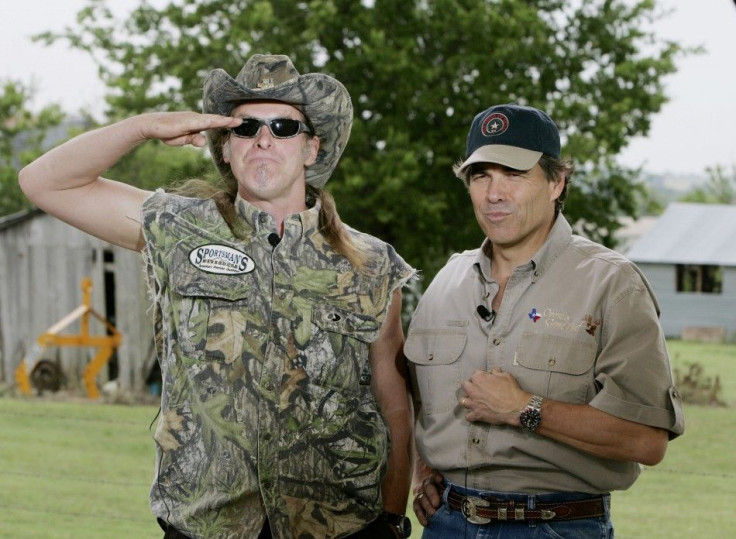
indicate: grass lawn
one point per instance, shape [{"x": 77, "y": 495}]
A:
[
  {"x": 691, "y": 492},
  {"x": 75, "y": 470},
  {"x": 82, "y": 470}
]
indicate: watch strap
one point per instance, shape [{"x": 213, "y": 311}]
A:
[{"x": 531, "y": 415}]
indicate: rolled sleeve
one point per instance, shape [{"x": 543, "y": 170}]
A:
[{"x": 633, "y": 370}]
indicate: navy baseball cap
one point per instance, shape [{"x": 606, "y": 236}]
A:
[{"x": 511, "y": 135}]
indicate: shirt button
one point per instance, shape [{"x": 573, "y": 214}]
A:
[
  {"x": 551, "y": 362},
  {"x": 496, "y": 341},
  {"x": 431, "y": 357},
  {"x": 476, "y": 441}
]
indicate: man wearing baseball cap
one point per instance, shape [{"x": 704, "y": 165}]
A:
[
  {"x": 285, "y": 411},
  {"x": 539, "y": 366}
]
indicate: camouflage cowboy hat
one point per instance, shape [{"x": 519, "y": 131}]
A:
[{"x": 323, "y": 100}]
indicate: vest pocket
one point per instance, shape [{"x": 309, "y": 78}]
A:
[
  {"x": 211, "y": 315},
  {"x": 433, "y": 354},
  {"x": 336, "y": 352},
  {"x": 346, "y": 322}
]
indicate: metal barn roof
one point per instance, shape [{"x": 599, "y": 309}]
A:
[
  {"x": 9, "y": 221},
  {"x": 690, "y": 234}
]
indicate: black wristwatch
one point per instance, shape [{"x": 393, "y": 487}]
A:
[
  {"x": 400, "y": 522},
  {"x": 531, "y": 416}
]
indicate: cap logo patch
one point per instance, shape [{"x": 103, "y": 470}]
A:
[
  {"x": 221, "y": 259},
  {"x": 494, "y": 124}
]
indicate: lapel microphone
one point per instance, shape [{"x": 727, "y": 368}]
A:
[{"x": 485, "y": 314}]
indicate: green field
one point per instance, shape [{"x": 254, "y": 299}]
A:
[{"x": 82, "y": 470}]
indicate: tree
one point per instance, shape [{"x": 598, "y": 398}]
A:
[
  {"x": 720, "y": 188},
  {"x": 22, "y": 134},
  {"x": 26, "y": 135},
  {"x": 155, "y": 165},
  {"x": 418, "y": 71}
]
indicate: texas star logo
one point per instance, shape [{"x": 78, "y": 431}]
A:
[
  {"x": 221, "y": 259},
  {"x": 494, "y": 124},
  {"x": 534, "y": 316}
]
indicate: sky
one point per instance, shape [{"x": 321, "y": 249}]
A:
[{"x": 695, "y": 130}]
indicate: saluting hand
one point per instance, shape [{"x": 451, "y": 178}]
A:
[{"x": 182, "y": 128}]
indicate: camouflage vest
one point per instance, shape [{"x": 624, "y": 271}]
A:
[{"x": 267, "y": 409}]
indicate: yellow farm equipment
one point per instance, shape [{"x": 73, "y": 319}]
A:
[{"x": 34, "y": 368}]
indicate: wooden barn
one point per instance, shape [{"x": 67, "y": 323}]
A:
[
  {"x": 43, "y": 264},
  {"x": 689, "y": 257}
]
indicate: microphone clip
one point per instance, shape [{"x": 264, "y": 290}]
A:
[{"x": 485, "y": 314}]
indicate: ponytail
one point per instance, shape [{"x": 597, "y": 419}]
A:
[{"x": 332, "y": 227}]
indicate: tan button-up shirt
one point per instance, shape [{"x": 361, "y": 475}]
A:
[{"x": 578, "y": 323}]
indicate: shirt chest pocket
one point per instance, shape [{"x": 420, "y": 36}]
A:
[
  {"x": 434, "y": 359},
  {"x": 211, "y": 318},
  {"x": 557, "y": 367},
  {"x": 336, "y": 353}
]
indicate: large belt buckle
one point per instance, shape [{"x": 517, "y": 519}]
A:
[{"x": 469, "y": 508}]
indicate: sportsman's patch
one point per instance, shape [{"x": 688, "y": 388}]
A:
[
  {"x": 494, "y": 124},
  {"x": 221, "y": 259}
]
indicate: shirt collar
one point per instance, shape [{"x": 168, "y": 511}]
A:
[
  {"x": 263, "y": 223},
  {"x": 559, "y": 238}
]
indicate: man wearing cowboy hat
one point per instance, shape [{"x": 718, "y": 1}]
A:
[
  {"x": 539, "y": 362},
  {"x": 284, "y": 409}
]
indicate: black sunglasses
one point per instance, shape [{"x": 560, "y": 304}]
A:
[{"x": 279, "y": 127}]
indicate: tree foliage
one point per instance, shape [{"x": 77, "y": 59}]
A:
[
  {"x": 22, "y": 134},
  {"x": 155, "y": 165},
  {"x": 719, "y": 189},
  {"x": 418, "y": 71}
]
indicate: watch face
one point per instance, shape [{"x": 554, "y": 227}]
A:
[
  {"x": 404, "y": 526},
  {"x": 401, "y": 522},
  {"x": 530, "y": 418}
]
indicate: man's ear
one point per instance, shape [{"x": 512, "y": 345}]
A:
[
  {"x": 557, "y": 187},
  {"x": 226, "y": 150},
  {"x": 311, "y": 150}
]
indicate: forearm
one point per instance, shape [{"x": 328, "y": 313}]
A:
[
  {"x": 66, "y": 182},
  {"x": 81, "y": 160},
  {"x": 601, "y": 434},
  {"x": 496, "y": 397},
  {"x": 396, "y": 483},
  {"x": 390, "y": 385}
]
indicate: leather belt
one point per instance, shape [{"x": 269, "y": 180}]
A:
[{"x": 478, "y": 510}]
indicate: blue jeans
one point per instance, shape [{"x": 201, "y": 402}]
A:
[{"x": 448, "y": 523}]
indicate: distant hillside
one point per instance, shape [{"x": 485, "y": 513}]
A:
[{"x": 670, "y": 186}]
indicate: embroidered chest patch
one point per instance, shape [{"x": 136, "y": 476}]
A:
[{"x": 221, "y": 259}]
